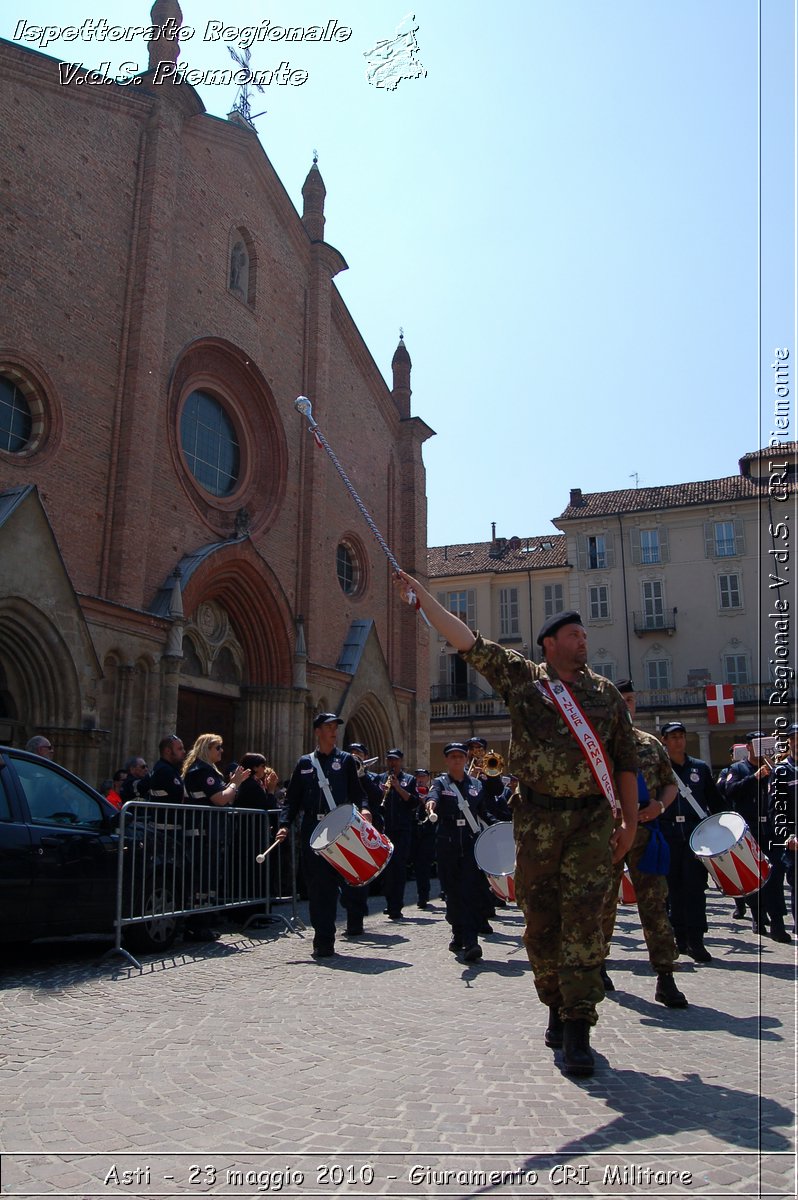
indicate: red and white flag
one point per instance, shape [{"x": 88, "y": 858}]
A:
[{"x": 720, "y": 703}]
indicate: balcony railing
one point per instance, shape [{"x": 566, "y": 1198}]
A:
[
  {"x": 661, "y": 699},
  {"x": 664, "y": 622}
]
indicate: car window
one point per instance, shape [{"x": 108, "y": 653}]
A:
[
  {"x": 52, "y": 799},
  {"x": 5, "y": 809}
]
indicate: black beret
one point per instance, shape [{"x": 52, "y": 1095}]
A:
[
  {"x": 326, "y": 718},
  {"x": 625, "y": 686},
  {"x": 672, "y": 727},
  {"x": 394, "y": 754},
  {"x": 550, "y": 627}
]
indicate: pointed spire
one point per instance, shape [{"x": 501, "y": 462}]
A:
[
  {"x": 165, "y": 15},
  {"x": 401, "y": 365},
  {"x": 313, "y": 193}
]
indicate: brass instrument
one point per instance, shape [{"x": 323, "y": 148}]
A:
[
  {"x": 493, "y": 764},
  {"x": 475, "y": 767}
]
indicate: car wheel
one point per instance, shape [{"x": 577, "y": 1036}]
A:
[{"x": 157, "y": 933}]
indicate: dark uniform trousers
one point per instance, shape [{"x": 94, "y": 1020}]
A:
[
  {"x": 461, "y": 879},
  {"x": 324, "y": 885},
  {"x": 687, "y": 882},
  {"x": 563, "y": 868},
  {"x": 652, "y": 893},
  {"x": 423, "y": 855}
]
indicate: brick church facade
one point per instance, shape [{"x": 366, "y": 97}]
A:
[{"x": 177, "y": 552}]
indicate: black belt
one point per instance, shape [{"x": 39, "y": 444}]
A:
[{"x": 562, "y": 803}]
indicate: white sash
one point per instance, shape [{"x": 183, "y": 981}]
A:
[
  {"x": 589, "y": 741},
  {"x": 324, "y": 783},
  {"x": 689, "y": 797},
  {"x": 464, "y": 806}
]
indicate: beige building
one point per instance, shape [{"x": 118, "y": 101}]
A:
[{"x": 674, "y": 587}]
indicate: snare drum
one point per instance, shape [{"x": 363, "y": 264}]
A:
[
  {"x": 494, "y": 851},
  {"x": 726, "y": 847},
  {"x": 352, "y": 845}
]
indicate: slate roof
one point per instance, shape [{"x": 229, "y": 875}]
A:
[{"x": 475, "y": 558}]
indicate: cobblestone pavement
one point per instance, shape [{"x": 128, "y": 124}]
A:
[{"x": 243, "y": 1068}]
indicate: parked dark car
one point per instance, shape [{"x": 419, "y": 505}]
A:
[{"x": 59, "y": 854}]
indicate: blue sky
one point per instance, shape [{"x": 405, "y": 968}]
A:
[{"x": 563, "y": 214}]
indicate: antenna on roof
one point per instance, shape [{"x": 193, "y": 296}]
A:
[
  {"x": 242, "y": 105},
  {"x": 634, "y": 475}
]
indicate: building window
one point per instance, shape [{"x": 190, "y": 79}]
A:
[
  {"x": 552, "y": 599},
  {"x": 599, "y": 602},
  {"x": 346, "y": 567},
  {"x": 729, "y": 591},
  {"x": 462, "y": 604},
  {"x": 16, "y": 419},
  {"x": 596, "y": 553},
  {"x": 724, "y": 539},
  {"x": 209, "y": 443},
  {"x": 508, "y": 612},
  {"x": 735, "y": 668},
  {"x": 649, "y": 546},
  {"x": 607, "y": 669},
  {"x": 653, "y": 606},
  {"x": 658, "y": 674}
]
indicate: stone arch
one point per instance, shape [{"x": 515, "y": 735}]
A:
[
  {"x": 41, "y": 675},
  {"x": 371, "y": 724},
  {"x": 241, "y": 582}
]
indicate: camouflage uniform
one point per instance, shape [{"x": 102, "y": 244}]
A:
[
  {"x": 651, "y": 890},
  {"x": 562, "y": 824}
]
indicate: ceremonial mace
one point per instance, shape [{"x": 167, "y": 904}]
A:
[{"x": 303, "y": 406}]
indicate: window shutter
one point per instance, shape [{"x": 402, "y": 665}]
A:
[
  {"x": 581, "y": 551},
  {"x": 664, "y": 544},
  {"x": 609, "y": 547},
  {"x": 709, "y": 539},
  {"x": 634, "y": 544},
  {"x": 471, "y": 608},
  {"x": 739, "y": 536}
]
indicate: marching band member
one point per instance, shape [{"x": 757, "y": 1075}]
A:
[
  {"x": 305, "y": 795},
  {"x": 568, "y": 822},
  {"x": 423, "y": 849},
  {"x": 458, "y": 799},
  {"x": 656, "y": 786},
  {"x": 399, "y": 801},
  {"x": 687, "y": 879}
]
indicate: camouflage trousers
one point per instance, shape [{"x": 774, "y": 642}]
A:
[
  {"x": 652, "y": 895},
  {"x": 562, "y": 873}
]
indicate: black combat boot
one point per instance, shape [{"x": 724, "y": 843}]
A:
[
  {"x": 698, "y": 951},
  {"x": 667, "y": 991},
  {"x": 577, "y": 1055},
  {"x": 609, "y": 986},
  {"x": 778, "y": 931},
  {"x": 553, "y": 1035}
]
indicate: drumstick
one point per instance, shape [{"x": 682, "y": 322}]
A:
[
  {"x": 262, "y": 857},
  {"x": 303, "y": 406}
]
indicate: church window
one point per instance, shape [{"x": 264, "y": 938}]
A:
[{"x": 210, "y": 445}]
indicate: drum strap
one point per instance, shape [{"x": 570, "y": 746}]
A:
[
  {"x": 465, "y": 809},
  {"x": 324, "y": 782},
  {"x": 689, "y": 797},
  {"x": 587, "y": 738}
]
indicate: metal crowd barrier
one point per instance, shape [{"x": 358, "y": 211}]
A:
[{"x": 179, "y": 860}]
